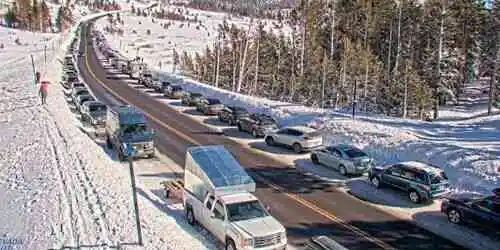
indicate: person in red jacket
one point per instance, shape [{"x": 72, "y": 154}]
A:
[{"x": 44, "y": 91}]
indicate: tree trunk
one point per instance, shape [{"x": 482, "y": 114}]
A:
[
  {"x": 365, "y": 46},
  {"x": 256, "y": 80},
  {"x": 243, "y": 60},
  {"x": 440, "y": 56},
  {"x": 389, "y": 54},
  {"x": 398, "y": 51},
  {"x": 235, "y": 63},
  {"x": 217, "y": 63},
  {"x": 323, "y": 80},
  {"x": 491, "y": 94},
  {"x": 332, "y": 33}
]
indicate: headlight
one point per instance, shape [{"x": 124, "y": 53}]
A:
[{"x": 246, "y": 243}]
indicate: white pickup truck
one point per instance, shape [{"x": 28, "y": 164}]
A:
[{"x": 218, "y": 195}]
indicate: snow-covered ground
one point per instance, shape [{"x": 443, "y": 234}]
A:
[
  {"x": 59, "y": 187},
  {"x": 157, "y": 47}
]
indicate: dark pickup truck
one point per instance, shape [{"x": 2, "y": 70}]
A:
[
  {"x": 257, "y": 124},
  {"x": 232, "y": 114}
]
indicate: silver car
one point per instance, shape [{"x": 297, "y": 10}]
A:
[
  {"x": 299, "y": 138},
  {"x": 345, "y": 158}
]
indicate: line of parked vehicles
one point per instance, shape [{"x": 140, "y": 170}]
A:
[{"x": 419, "y": 181}]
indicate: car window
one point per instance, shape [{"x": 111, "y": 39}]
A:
[
  {"x": 210, "y": 201},
  {"x": 336, "y": 152},
  {"x": 283, "y": 132},
  {"x": 488, "y": 204},
  {"x": 219, "y": 210},
  {"x": 355, "y": 152},
  {"x": 437, "y": 178},
  {"x": 414, "y": 176},
  {"x": 395, "y": 170}
]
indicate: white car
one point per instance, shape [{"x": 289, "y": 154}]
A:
[
  {"x": 78, "y": 91},
  {"x": 81, "y": 99},
  {"x": 299, "y": 138},
  {"x": 345, "y": 158}
]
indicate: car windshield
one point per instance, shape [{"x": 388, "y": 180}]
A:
[
  {"x": 148, "y": 75},
  {"x": 355, "y": 153},
  {"x": 437, "y": 178},
  {"x": 245, "y": 211},
  {"x": 133, "y": 130},
  {"x": 85, "y": 99},
  {"x": 265, "y": 120},
  {"x": 195, "y": 95},
  {"x": 239, "y": 111},
  {"x": 176, "y": 88},
  {"x": 82, "y": 92},
  {"x": 213, "y": 101},
  {"x": 97, "y": 108}
]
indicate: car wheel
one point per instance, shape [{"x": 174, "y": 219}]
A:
[
  {"x": 108, "y": 143},
  {"x": 231, "y": 122},
  {"x": 314, "y": 158},
  {"x": 121, "y": 157},
  {"x": 240, "y": 128},
  {"x": 342, "y": 170},
  {"x": 297, "y": 148},
  {"x": 270, "y": 141},
  {"x": 230, "y": 245},
  {"x": 190, "y": 216},
  {"x": 375, "y": 181},
  {"x": 414, "y": 196},
  {"x": 220, "y": 118},
  {"x": 254, "y": 133},
  {"x": 454, "y": 216}
]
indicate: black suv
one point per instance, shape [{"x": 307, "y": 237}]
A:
[
  {"x": 257, "y": 124},
  {"x": 191, "y": 99},
  {"x": 160, "y": 88},
  {"x": 232, "y": 114},
  {"x": 483, "y": 211}
]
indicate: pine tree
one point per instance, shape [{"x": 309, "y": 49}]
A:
[
  {"x": 59, "y": 17},
  {"x": 46, "y": 22},
  {"x": 10, "y": 18},
  {"x": 35, "y": 16}
]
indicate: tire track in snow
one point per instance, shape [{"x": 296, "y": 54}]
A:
[{"x": 90, "y": 195}]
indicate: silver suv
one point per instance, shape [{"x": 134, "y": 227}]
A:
[
  {"x": 345, "y": 158},
  {"x": 299, "y": 138}
]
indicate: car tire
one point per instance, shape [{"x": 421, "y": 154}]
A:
[
  {"x": 230, "y": 245},
  {"x": 120, "y": 155},
  {"x": 454, "y": 216},
  {"x": 342, "y": 170},
  {"x": 375, "y": 181},
  {"x": 297, "y": 148},
  {"x": 270, "y": 141},
  {"x": 220, "y": 118},
  {"x": 190, "y": 217},
  {"x": 314, "y": 159},
  {"x": 240, "y": 128},
  {"x": 414, "y": 196},
  {"x": 254, "y": 133},
  {"x": 231, "y": 122},
  {"x": 109, "y": 145}
]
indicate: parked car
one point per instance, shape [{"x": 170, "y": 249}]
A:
[
  {"x": 76, "y": 84},
  {"x": 78, "y": 91},
  {"x": 145, "y": 78},
  {"x": 94, "y": 112},
  {"x": 257, "y": 124},
  {"x": 232, "y": 114},
  {"x": 419, "y": 180},
  {"x": 345, "y": 158},
  {"x": 127, "y": 126},
  {"x": 81, "y": 99},
  {"x": 323, "y": 243},
  {"x": 174, "y": 92},
  {"x": 192, "y": 99},
  {"x": 209, "y": 106},
  {"x": 160, "y": 88},
  {"x": 482, "y": 211},
  {"x": 299, "y": 138}
]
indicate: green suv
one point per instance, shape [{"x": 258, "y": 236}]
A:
[{"x": 419, "y": 180}]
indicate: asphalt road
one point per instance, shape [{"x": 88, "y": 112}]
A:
[{"x": 304, "y": 205}]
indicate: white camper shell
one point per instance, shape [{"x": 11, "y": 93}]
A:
[{"x": 214, "y": 170}]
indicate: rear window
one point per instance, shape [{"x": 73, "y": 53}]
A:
[
  {"x": 82, "y": 92},
  {"x": 176, "y": 88},
  {"x": 97, "y": 108},
  {"x": 264, "y": 119},
  {"x": 353, "y": 152},
  {"x": 213, "y": 101},
  {"x": 196, "y": 95},
  {"x": 437, "y": 178}
]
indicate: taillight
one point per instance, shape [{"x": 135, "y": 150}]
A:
[{"x": 307, "y": 138}]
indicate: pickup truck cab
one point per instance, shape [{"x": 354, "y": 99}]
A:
[{"x": 218, "y": 196}]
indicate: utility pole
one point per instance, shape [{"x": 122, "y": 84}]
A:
[
  {"x": 34, "y": 70},
  {"x": 354, "y": 101},
  {"x": 130, "y": 155},
  {"x": 217, "y": 63},
  {"x": 45, "y": 53}
]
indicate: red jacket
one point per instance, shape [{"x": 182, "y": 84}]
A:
[{"x": 44, "y": 86}]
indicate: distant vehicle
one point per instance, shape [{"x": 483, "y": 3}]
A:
[
  {"x": 127, "y": 125},
  {"x": 323, "y": 243},
  {"x": 174, "y": 92},
  {"x": 160, "y": 88},
  {"x": 94, "y": 112},
  {"x": 81, "y": 99},
  {"x": 257, "y": 124},
  {"x": 154, "y": 82},
  {"x": 299, "y": 138},
  {"x": 76, "y": 84},
  {"x": 145, "y": 78},
  {"x": 78, "y": 91},
  {"x": 419, "y": 180},
  {"x": 345, "y": 158},
  {"x": 209, "y": 106},
  {"x": 218, "y": 195},
  {"x": 192, "y": 99},
  {"x": 482, "y": 211},
  {"x": 232, "y": 114}
]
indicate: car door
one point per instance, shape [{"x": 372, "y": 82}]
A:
[
  {"x": 217, "y": 220},
  {"x": 291, "y": 137},
  {"x": 281, "y": 136},
  {"x": 331, "y": 157},
  {"x": 207, "y": 211},
  {"x": 323, "y": 155},
  {"x": 480, "y": 212}
]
